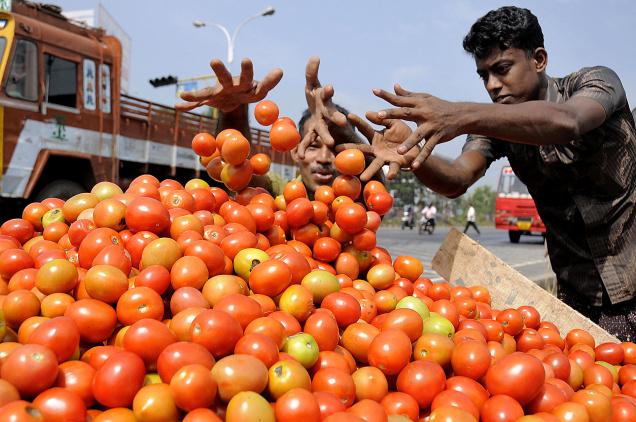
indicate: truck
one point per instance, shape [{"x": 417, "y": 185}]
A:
[
  {"x": 64, "y": 122},
  {"x": 515, "y": 210}
]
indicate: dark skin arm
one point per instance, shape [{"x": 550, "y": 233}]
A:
[
  {"x": 231, "y": 95},
  {"x": 532, "y": 122}
]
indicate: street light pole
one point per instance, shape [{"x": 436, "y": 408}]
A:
[{"x": 231, "y": 40}]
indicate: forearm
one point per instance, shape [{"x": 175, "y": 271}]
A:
[
  {"x": 532, "y": 122},
  {"x": 451, "y": 178},
  {"x": 236, "y": 119}
]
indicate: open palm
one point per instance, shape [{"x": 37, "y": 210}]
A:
[{"x": 383, "y": 144}]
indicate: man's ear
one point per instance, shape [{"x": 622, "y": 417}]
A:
[{"x": 540, "y": 58}]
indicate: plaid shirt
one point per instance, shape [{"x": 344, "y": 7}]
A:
[{"x": 585, "y": 191}]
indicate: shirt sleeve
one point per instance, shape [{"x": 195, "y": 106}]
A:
[
  {"x": 601, "y": 84},
  {"x": 489, "y": 148}
]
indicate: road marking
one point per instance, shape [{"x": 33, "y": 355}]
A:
[{"x": 524, "y": 264}]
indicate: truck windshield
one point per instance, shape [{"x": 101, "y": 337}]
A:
[
  {"x": 511, "y": 186},
  {"x": 23, "y": 72}
]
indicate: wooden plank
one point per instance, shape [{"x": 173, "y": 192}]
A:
[{"x": 463, "y": 261}]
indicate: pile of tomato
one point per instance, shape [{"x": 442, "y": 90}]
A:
[{"x": 168, "y": 302}]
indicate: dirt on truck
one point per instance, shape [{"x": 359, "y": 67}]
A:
[{"x": 64, "y": 123}]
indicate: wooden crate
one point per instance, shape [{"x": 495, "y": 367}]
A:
[{"x": 463, "y": 261}]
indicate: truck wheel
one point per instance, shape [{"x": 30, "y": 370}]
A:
[
  {"x": 63, "y": 189},
  {"x": 514, "y": 236}
]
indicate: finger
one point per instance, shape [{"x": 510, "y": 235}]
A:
[
  {"x": 373, "y": 117},
  {"x": 247, "y": 73},
  {"x": 412, "y": 140},
  {"x": 222, "y": 74},
  {"x": 305, "y": 142},
  {"x": 323, "y": 132},
  {"x": 187, "y": 106},
  {"x": 426, "y": 150},
  {"x": 403, "y": 113},
  {"x": 401, "y": 91},
  {"x": 365, "y": 148},
  {"x": 372, "y": 169},
  {"x": 327, "y": 93},
  {"x": 200, "y": 94},
  {"x": 268, "y": 83},
  {"x": 396, "y": 100},
  {"x": 365, "y": 129},
  {"x": 336, "y": 117},
  {"x": 311, "y": 72},
  {"x": 405, "y": 93},
  {"x": 394, "y": 170}
]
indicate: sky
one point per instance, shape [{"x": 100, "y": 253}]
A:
[{"x": 362, "y": 45}]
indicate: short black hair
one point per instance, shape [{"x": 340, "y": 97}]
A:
[
  {"x": 506, "y": 27},
  {"x": 307, "y": 114}
]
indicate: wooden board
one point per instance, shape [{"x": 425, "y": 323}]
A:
[{"x": 463, "y": 261}]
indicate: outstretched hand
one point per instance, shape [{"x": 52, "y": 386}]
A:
[
  {"x": 437, "y": 120},
  {"x": 383, "y": 144},
  {"x": 323, "y": 112},
  {"x": 231, "y": 92}
]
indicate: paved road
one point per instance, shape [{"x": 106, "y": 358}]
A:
[{"x": 526, "y": 257}]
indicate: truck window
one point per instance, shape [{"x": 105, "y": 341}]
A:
[
  {"x": 62, "y": 81},
  {"x": 22, "y": 81}
]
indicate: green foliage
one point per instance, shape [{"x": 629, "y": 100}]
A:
[{"x": 483, "y": 199}]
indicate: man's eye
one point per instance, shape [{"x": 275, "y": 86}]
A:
[{"x": 503, "y": 69}]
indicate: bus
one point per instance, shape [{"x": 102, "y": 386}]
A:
[{"x": 515, "y": 210}]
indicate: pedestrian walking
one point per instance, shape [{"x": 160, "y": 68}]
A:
[{"x": 470, "y": 220}]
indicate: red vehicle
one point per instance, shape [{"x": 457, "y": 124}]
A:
[{"x": 514, "y": 208}]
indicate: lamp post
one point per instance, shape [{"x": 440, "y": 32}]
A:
[{"x": 231, "y": 39}]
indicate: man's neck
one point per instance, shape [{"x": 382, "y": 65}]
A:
[{"x": 543, "y": 87}]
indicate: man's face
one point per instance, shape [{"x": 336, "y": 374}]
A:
[
  {"x": 317, "y": 168},
  {"x": 511, "y": 76}
]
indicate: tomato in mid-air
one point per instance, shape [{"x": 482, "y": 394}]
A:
[{"x": 266, "y": 112}]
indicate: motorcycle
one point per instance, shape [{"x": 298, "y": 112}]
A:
[
  {"x": 407, "y": 220},
  {"x": 427, "y": 226}
]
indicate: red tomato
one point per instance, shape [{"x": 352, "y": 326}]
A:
[
  {"x": 351, "y": 218},
  {"x": 501, "y": 408},
  {"x": 518, "y": 375},
  {"x": 138, "y": 303},
  {"x": 344, "y": 307},
  {"x": 398, "y": 403},
  {"x": 297, "y": 404},
  {"x": 147, "y": 338},
  {"x": 470, "y": 359},
  {"x": 156, "y": 277},
  {"x": 77, "y": 376},
  {"x": 240, "y": 307},
  {"x": 59, "y": 334},
  {"x": 217, "y": 331},
  {"x": 61, "y": 405},
  {"x": 31, "y": 369},
  {"x": 335, "y": 381},
  {"x": 95, "y": 320},
  {"x": 203, "y": 144},
  {"x": 119, "y": 379},
  {"x": 177, "y": 355},
  {"x": 270, "y": 278},
  {"x": 193, "y": 387},
  {"x": 283, "y": 137},
  {"x": 390, "y": 351},
  {"x": 147, "y": 214},
  {"x": 328, "y": 403},
  {"x": 423, "y": 380},
  {"x": 455, "y": 399},
  {"x": 266, "y": 112}
]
